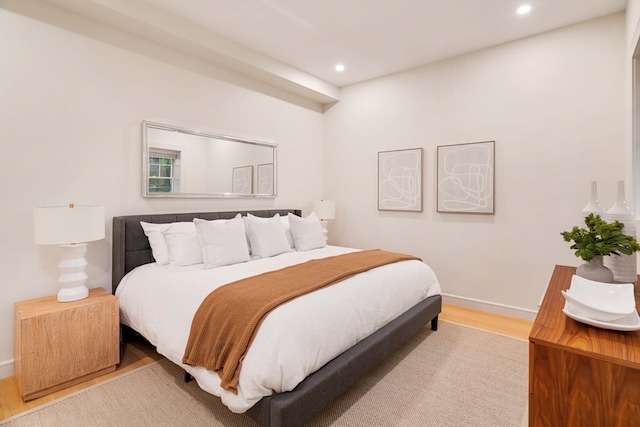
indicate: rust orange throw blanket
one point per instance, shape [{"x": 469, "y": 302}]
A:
[{"x": 228, "y": 318}]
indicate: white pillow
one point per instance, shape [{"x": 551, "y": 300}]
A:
[
  {"x": 201, "y": 241},
  {"x": 223, "y": 242},
  {"x": 266, "y": 236},
  {"x": 306, "y": 232},
  {"x": 287, "y": 230},
  {"x": 182, "y": 241},
  {"x": 154, "y": 233}
]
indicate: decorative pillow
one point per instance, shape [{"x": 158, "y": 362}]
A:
[
  {"x": 287, "y": 230},
  {"x": 223, "y": 242},
  {"x": 266, "y": 236},
  {"x": 306, "y": 232},
  {"x": 182, "y": 241},
  {"x": 156, "y": 241}
]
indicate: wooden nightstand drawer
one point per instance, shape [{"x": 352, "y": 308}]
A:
[{"x": 58, "y": 345}]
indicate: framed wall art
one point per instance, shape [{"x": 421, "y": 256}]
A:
[
  {"x": 400, "y": 180},
  {"x": 242, "y": 180},
  {"x": 265, "y": 178},
  {"x": 466, "y": 175}
]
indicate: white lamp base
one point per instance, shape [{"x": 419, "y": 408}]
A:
[
  {"x": 325, "y": 229},
  {"x": 72, "y": 275}
]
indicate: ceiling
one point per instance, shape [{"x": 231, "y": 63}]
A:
[
  {"x": 375, "y": 38},
  {"x": 295, "y": 44}
]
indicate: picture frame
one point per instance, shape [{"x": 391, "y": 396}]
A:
[
  {"x": 242, "y": 180},
  {"x": 400, "y": 180},
  {"x": 466, "y": 178},
  {"x": 265, "y": 179}
]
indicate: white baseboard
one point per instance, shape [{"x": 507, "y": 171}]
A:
[
  {"x": 7, "y": 369},
  {"x": 491, "y": 307}
]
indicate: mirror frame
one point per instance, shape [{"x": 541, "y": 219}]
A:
[{"x": 147, "y": 125}]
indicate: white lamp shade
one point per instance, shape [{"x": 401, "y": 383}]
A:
[
  {"x": 325, "y": 209},
  {"x": 59, "y": 225}
]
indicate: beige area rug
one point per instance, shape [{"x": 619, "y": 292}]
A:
[{"x": 457, "y": 376}]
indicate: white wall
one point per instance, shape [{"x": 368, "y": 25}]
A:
[
  {"x": 633, "y": 124},
  {"x": 72, "y": 98},
  {"x": 555, "y": 104}
]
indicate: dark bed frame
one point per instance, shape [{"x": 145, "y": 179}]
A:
[{"x": 288, "y": 409}]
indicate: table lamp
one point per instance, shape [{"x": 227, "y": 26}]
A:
[
  {"x": 70, "y": 227},
  {"x": 326, "y": 210}
]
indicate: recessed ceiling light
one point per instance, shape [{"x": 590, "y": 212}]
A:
[
  {"x": 523, "y": 10},
  {"x": 339, "y": 68}
]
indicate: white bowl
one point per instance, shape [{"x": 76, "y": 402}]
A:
[{"x": 601, "y": 301}]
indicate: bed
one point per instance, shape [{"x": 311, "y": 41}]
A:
[{"x": 131, "y": 249}]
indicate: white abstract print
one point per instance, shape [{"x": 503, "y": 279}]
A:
[
  {"x": 465, "y": 178},
  {"x": 399, "y": 180}
]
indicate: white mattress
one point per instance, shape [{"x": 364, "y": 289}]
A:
[{"x": 295, "y": 340}]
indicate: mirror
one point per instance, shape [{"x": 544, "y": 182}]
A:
[{"x": 178, "y": 162}]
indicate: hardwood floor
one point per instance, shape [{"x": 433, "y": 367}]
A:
[
  {"x": 140, "y": 353},
  {"x": 496, "y": 323}
]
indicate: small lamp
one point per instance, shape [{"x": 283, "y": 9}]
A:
[
  {"x": 70, "y": 227},
  {"x": 326, "y": 210}
]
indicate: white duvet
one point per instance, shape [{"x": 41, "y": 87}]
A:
[{"x": 295, "y": 340}]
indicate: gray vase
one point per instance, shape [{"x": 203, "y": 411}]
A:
[{"x": 595, "y": 270}]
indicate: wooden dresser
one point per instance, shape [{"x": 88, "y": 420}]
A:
[
  {"x": 580, "y": 375},
  {"x": 58, "y": 345}
]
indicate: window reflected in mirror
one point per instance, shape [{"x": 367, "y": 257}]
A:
[{"x": 163, "y": 171}]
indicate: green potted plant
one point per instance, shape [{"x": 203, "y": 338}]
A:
[{"x": 600, "y": 238}]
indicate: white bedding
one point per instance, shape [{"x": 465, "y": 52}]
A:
[{"x": 295, "y": 340}]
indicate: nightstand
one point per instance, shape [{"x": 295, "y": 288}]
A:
[
  {"x": 58, "y": 345},
  {"x": 580, "y": 375}
]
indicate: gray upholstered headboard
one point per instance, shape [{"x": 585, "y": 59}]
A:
[{"x": 131, "y": 247}]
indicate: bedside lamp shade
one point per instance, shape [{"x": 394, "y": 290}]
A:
[
  {"x": 70, "y": 227},
  {"x": 59, "y": 225},
  {"x": 325, "y": 209}
]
